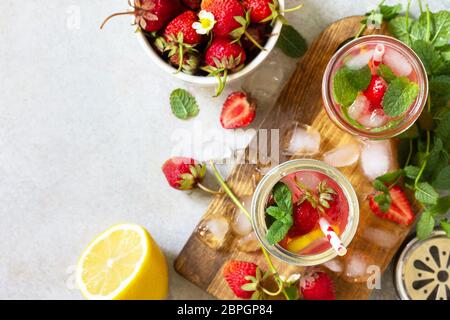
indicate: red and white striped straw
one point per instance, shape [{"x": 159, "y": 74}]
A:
[
  {"x": 332, "y": 237},
  {"x": 378, "y": 55}
]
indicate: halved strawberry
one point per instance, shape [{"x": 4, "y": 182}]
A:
[
  {"x": 238, "y": 111},
  {"x": 400, "y": 210},
  {"x": 375, "y": 92}
]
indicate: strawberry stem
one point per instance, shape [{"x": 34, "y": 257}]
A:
[
  {"x": 292, "y": 9},
  {"x": 239, "y": 204},
  {"x": 115, "y": 15},
  {"x": 260, "y": 47},
  {"x": 222, "y": 82},
  {"x": 206, "y": 189}
]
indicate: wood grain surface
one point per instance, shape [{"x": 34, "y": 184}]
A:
[{"x": 201, "y": 263}]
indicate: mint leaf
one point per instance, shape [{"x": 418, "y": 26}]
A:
[
  {"x": 442, "y": 181},
  {"x": 347, "y": 83},
  {"x": 425, "y": 225},
  {"x": 429, "y": 56},
  {"x": 397, "y": 27},
  {"x": 445, "y": 225},
  {"x": 441, "y": 22},
  {"x": 283, "y": 197},
  {"x": 411, "y": 172},
  {"x": 425, "y": 193},
  {"x": 380, "y": 186},
  {"x": 275, "y": 212},
  {"x": 390, "y": 12},
  {"x": 411, "y": 133},
  {"x": 292, "y": 292},
  {"x": 183, "y": 104},
  {"x": 384, "y": 201},
  {"x": 390, "y": 177},
  {"x": 443, "y": 130},
  {"x": 399, "y": 96},
  {"x": 291, "y": 42},
  {"x": 441, "y": 207},
  {"x": 436, "y": 161},
  {"x": 386, "y": 73},
  {"x": 277, "y": 232}
]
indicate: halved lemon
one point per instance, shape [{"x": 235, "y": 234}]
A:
[{"x": 123, "y": 263}]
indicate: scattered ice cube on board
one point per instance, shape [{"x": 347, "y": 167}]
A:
[
  {"x": 380, "y": 237},
  {"x": 302, "y": 140},
  {"x": 342, "y": 156},
  {"x": 241, "y": 225},
  {"x": 214, "y": 231},
  {"x": 249, "y": 243},
  {"x": 356, "y": 266},
  {"x": 397, "y": 62},
  {"x": 360, "y": 60},
  {"x": 376, "y": 158},
  {"x": 335, "y": 265},
  {"x": 374, "y": 120},
  {"x": 359, "y": 107}
]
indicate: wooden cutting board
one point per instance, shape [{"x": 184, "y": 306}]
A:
[{"x": 300, "y": 100}]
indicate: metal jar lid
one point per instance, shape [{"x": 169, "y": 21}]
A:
[{"x": 423, "y": 269}]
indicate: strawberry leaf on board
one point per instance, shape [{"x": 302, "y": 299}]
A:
[
  {"x": 399, "y": 96},
  {"x": 347, "y": 83},
  {"x": 291, "y": 42},
  {"x": 183, "y": 104}
]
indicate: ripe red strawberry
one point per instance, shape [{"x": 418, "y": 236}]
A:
[
  {"x": 400, "y": 210},
  {"x": 235, "y": 272},
  {"x": 151, "y": 15},
  {"x": 183, "y": 173},
  {"x": 224, "y": 12},
  {"x": 238, "y": 111},
  {"x": 375, "y": 92},
  {"x": 221, "y": 57},
  {"x": 192, "y": 4},
  {"x": 259, "y": 9},
  {"x": 254, "y": 33},
  {"x": 305, "y": 219},
  {"x": 317, "y": 286},
  {"x": 334, "y": 211},
  {"x": 182, "y": 24}
]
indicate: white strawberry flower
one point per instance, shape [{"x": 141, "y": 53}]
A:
[{"x": 206, "y": 23}]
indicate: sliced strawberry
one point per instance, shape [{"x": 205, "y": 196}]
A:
[
  {"x": 400, "y": 211},
  {"x": 305, "y": 219},
  {"x": 238, "y": 111},
  {"x": 375, "y": 92}
]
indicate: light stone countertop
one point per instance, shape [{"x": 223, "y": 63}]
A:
[{"x": 85, "y": 125}]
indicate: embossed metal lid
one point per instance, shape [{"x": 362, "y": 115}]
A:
[{"x": 423, "y": 269}]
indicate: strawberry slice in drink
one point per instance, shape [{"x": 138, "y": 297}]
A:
[{"x": 400, "y": 210}]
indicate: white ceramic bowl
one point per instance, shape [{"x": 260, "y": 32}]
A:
[{"x": 212, "y": 81}]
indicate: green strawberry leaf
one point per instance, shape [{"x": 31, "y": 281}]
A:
[
  {"x": 183, "y": 104},
  {"x": 425, "y": 225},
  {"x": 380, "y": 186},
  {"x": 399, "y": 96},
  {"x": 390, "y": 177},
  {"x": 291, "y": 42},
  {"x": 347, "y": 83},
  {"x": 426, "y": 194}
]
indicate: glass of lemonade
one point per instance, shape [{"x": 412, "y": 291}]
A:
[
  {"x": 375, "y": 87},
  {"x": 308, "y": 181}
]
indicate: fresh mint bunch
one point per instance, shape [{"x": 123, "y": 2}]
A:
[
  {"x": 424, "y": 149},
  {"x": 282, "y": 213}
]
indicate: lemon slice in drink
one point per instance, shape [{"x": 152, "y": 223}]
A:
[{"x": 123, "y": 263}]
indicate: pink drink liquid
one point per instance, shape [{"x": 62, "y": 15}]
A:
[
  {"x": 372, "y": 117},
  {"x": 311, "y": 180}
]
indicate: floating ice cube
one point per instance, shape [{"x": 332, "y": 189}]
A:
[
  {"x": 335, "y": 265},
  {"x": 214, "y": 231},
  {"x": 360, "y": 60},
  {"x": 302, "y": 140},
  {"x": 359, "y": 107},
  {"x": 374, "y": 120},
  {"x": 241, "y": 224},
  {"x": 342, "y": 156},
  {"x": 249, "y": 243},
  {"x": 381, "y": 238},
  {"x": 397, "y": 62},
  {"x": 308, "y": 179},
  {"x": 376, "y": 158},
  {"x": 357, "y": 265}
]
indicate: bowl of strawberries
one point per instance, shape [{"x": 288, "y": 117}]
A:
[{"x": 208, "y": 42}]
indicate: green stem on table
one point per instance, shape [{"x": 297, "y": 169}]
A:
[
  {"x": 361, "y": 30},
  {"x": 292, "y": 9},
  {"x": 424, "y": 163},
  {"x": 239, "y": 204},
  {"x": 407, "y": 19}
]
